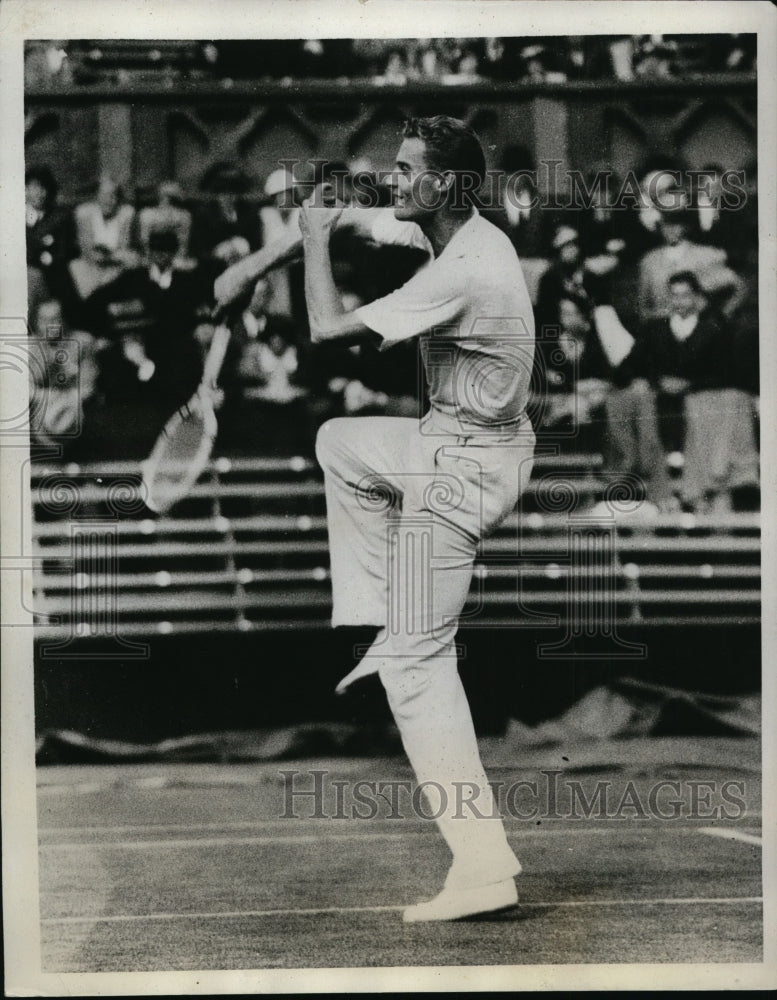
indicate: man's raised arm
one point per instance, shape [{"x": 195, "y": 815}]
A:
[
  {"x": 237, "y": 280},
  {"x": 371, "y": 223},
  {"x": 326, "y": 314}
]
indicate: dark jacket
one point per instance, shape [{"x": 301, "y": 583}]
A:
[
  {"x": 50, "y": 246},
  {"x": 164, "y": 319},
  {"x": 706, "y": 358}
]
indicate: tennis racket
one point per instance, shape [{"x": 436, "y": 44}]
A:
[{"x": 183, "y": 447}]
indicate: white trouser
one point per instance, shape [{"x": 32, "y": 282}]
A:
[
  {"x": 406, "y": 510},
  {"x": 720, "y": 448}
]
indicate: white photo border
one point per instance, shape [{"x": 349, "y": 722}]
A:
[{"x": 42, "y": 19}]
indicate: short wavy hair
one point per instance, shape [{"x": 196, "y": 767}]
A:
[{"x": 450, "y": 145}]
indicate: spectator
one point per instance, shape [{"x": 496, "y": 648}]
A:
[
  {"x": 46, "y": 63},
  {"x": 285, "y": 191},
  {"x": 731, "y": 53},
  {"x": 224, "y": 228},
  {"x": 264, "y": 408},
  {"x": 621, "y": 52},
  {"x": 105, "y": 229},
  {"x": 541, "y": 64},
  {"x": 50, "y": 239},
  {"x": 603, "y": 228},
  {"x": 633, "y": 444},
  {"x": 502, "y": 58},
  {"x": 338, "y": 174},
  {"x": 718, "y": 224},
  {"x": 745, "y": 346},
  {"x": 577, "y": 378},
  {"x": 168, "y": 213},
  {"x": 63, "y": 385},
  {"x": 520, "y": 215},
  {"x": 688, "y": 358},
  {"x": 397, "y": 68},
  {"x": 363, "y": 381},
  {"x": 654, "y": 57},
  {"x": 49, "y": 321},
  {"x": 746, "y": 375},
  {"x": 151, "y": 313},
  {"x": 743, "y": 246},
  {"x": 589, "y": 58},
  {"x": 658, "y": 190},
  {"x": 677, "y": 253},
  {"x": 563, "y": 279},
  {"x": 468, "y": 67},
  {"x": 567, "y": 276}
]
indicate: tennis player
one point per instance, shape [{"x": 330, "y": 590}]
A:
[{"x": 409, "y": 501}]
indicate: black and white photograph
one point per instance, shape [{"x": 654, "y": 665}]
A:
[{"x": 387, "y": 496}]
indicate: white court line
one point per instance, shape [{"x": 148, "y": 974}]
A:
[
  {"x": 232, "y": 914},
  {"x": 200, "y": 842},
  {"x": 246, "y": 824},
  {"x": 278, "y": 821},
  {"x": 729, "y": 834}
]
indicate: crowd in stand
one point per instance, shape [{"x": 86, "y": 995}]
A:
[
  {"x": 646, "y": 314},
  {"x": 551, "y": 59}
]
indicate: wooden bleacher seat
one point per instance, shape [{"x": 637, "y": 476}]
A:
[{"x": 248, "y": 550}]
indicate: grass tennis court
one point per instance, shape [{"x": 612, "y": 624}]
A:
[{"x": 191, "y": 866}]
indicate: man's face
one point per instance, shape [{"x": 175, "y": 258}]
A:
[
  {"x": 277, "y": 344},
  {"x": 569, "y": 254},
  {"x": 415, "y": 188},
  {"x": 49, "y": 319},
  {"x": 683, "y": 299}
]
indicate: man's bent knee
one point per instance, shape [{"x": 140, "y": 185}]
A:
[{"x": 329, "y": 434}]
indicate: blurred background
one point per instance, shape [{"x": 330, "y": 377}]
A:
[{"x": 152, "y": 166}]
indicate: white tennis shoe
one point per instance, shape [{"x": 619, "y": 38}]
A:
[{"x": 453, "y": 904}]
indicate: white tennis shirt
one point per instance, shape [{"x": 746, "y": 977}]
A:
[{"x": 472, "y": 310}]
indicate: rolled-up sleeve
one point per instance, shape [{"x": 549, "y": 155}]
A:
[
  {"x": 380, "y": 225},
  {"x": 432, "y": 298}
]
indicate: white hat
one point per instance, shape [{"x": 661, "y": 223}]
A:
[
  {"x": 284, "y": 180},
  {"x": 279, "y": 180},
  {"x": 564, "y": 235}
]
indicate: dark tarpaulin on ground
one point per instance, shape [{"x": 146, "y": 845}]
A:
[{"x": 625, "y": 710}]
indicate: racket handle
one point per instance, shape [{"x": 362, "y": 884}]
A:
[{"x": 216, "y": 354}]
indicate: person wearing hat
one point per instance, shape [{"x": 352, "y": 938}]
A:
[
  {"x": 285, "y": 190},
  {"x": 50, "y": 238},
  {"x": 567, "y": 267},
  {"x": 224, "y": 228},
  {"x": 678, "y": 253},
  {"x": 570, "y": 275},
  {"x": 565, "y": 276}
]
